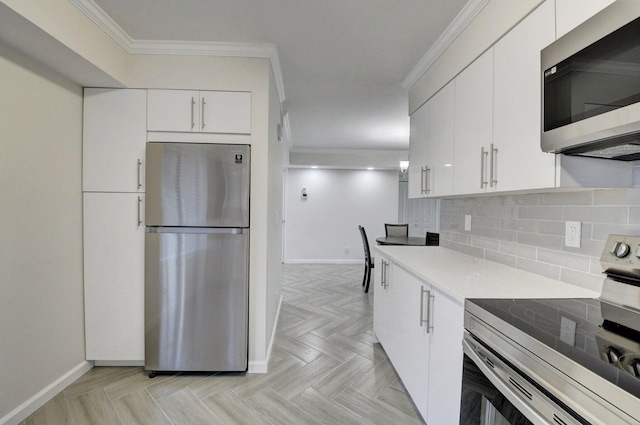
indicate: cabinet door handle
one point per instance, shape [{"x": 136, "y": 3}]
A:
[
  {"x": 193, "y": 112},
  {"x": 494, "y": 166},
  {"x": 385, "y": 266},
  {"x": 139, "y": 211},
  {"x": 139, "y": 174},
  {"x": 483, "y": 160},
  {"x": 428, "y": 183},
  {"x": 424, "y": 179},
  {"x": 202, "y": 112},
  {"x": 426, "y": 321}
]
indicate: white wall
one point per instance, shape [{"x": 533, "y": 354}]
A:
[
  {"x": 41, "y": 289},
  {"x": 274, "y": 213},
  {"x": 324, "y": 227}
]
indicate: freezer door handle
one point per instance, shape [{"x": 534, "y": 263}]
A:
[{"x": 197, "y": 230}]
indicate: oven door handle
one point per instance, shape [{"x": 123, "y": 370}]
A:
[{"x": 472, "y": 350}]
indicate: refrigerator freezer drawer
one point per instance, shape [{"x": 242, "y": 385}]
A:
[{"x": 196, "y": 302}]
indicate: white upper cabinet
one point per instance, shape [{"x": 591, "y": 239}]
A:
[
  {"x": 440, "y": 130},
  {"x": 114, "y": 137},
  {"x": 571, "y": 13},
  {"x": 519, "y": 163},
  {"x": 199, "y": 111},
  {"x": 474, "y": 126},
  {"x": 431, "y": 147},
  {"x": 418, "y": 152}
]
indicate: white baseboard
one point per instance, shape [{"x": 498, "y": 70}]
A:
[
  {"x": 257, "y": 366},
  {"x": 120, "y": 363},
  {"x": 23, "y": 411},
  {"x": 310, "y": 261},
  {"x": 261, "y": 366}
]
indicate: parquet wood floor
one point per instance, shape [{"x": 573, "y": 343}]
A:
[{"x": 324, "y": 369}]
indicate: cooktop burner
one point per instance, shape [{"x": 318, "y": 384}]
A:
[{"x": 574, "y": 328}]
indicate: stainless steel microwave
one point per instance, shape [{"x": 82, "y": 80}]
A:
[{"x": 591, "y": 87}]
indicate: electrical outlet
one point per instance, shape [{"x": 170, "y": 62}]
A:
[
  {"x": 572, "y": 234},
  {"x": 467, "y": 222},
  {"x": 567, "y": 331}
]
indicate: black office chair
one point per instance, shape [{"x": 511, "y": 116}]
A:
[
  {"x": 368, "y": 260},
  {"x": 432, "y": 239},
  {"x": 397, "y": 230}
]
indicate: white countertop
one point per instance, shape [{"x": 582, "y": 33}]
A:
[{"x": 463, "y": 276}]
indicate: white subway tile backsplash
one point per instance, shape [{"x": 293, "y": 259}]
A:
[
  {"x": 552, "y": 227},
  {"x": 491, "y": 244},
  {"x": 531, "y": 226},
  {"x": 527, "y": 231},
  {"x": 547, "y": 270},
  {"x": 492, "y": 222},
  {"x": 523, "y": 251},
  {"x": 590, "y": 247},
  {"x": 521, "y": 200},
  {"x": 596, "y": 214},
  {"x": 541, "y": 213},
  {"x": 602, "y": 230},
  {"x": 616, "y": 197},
  {"x": 564, "y": 259},
  {"x": 567, "y": 198},
  {"x": 634, "y": 215},
  {"x": 542, "y": 241},
  {"x": 498, "y": 257},
  {"x": 466, "y": 249},
  {"x": 584, "y": 280},
  {"x": 502, "y": 235}
]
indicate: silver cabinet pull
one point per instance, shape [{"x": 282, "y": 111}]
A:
[
  {"x": 385, "y": 267},
  {"x": 139, "y": 211},
  {"x": 422, "y": 319},
  {"x": 193, "y": 112},
  {"x": 483, "y": 160},
  {"x": 428, "y": 183},
  {"x": 426, "y": 321},
  {"x": 424, "y": 179},
  {"x": 139, "y": 174},
  {"x": 202, "y": 112},
  {"x": 493, "y": 167}
]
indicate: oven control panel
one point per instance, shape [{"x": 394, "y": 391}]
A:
[{"x": 621, "y": 255}]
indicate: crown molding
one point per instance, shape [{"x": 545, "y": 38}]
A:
[
  {"x": 162, "y": 47},
  {"x": 461, "y": 21}
]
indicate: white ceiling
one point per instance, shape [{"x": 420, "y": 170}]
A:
[{"x": 342, "y": 61}]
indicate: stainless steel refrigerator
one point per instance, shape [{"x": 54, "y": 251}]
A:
[{"x": 196, "y": 257}]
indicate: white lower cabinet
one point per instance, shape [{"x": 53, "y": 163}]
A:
[
  {"x": 421, "y": 331},
  {"x": 445, "y": 359},
  {"x": 114, "y": 276}
]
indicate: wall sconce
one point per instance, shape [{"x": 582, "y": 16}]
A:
[{"x": 404, "y": 168}]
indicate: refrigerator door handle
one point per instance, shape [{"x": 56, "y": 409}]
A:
[{"x": 196, "y": 230}]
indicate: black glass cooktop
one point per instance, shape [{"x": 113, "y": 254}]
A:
[{"x": 577, "y": 328}]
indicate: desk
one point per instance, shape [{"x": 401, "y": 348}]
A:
[{"x": 401, "y": 240}]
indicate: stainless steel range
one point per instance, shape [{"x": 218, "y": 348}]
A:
[{"x": 558, "y": 361}]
